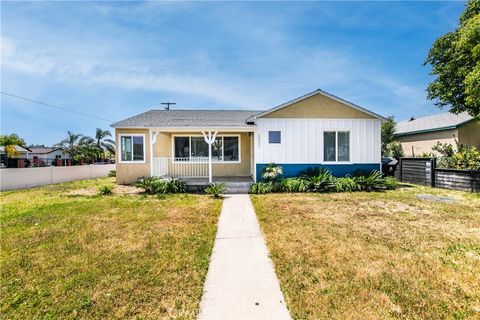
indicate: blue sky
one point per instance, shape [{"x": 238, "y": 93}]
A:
[{"x": 118, "y": 59}]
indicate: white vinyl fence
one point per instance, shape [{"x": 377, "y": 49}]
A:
[{"x": 18, "y": 178}]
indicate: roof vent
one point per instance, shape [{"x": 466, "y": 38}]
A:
[{"x": 411, "y": 119}]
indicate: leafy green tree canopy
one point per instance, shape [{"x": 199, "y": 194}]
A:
[
  {"x": 455, "y": 61},
  {"x": 9, "y": 142},
  {"x": 388, "y": 130}
]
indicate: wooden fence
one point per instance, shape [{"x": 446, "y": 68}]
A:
[{"x": 423, "y": 171}]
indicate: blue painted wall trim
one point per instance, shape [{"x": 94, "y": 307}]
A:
[{"x": 338, "y": 170}]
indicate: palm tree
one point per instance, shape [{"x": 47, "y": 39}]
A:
[
  {"x": 9, "y": 142},
  {"x": 70, "y": 143},
  {"x": 272, "y": 172},
  {"x": 103, "y": 143}
]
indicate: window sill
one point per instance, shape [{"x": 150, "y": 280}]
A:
[
  {"x": 133, "y": 162},
  {"x": 337, "y": 162},
  {"x": 213, "y": 162}
]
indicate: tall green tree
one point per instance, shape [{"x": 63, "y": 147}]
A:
[
  {"x": 455, "y": 61},
  {"x": 70, "y": 143},
  {"x": 391, "y": 147},
  {"x": 103, "y": 141},
  {"x": 10, "y": 142},
  {"x": 388, "y": 130}
]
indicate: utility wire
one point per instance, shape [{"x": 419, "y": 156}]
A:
[{"x": 57, "y": 107}]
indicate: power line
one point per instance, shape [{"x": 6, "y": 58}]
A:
[{"x": 57, "y": 107}]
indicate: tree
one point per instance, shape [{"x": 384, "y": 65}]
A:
[
  {"x": 388, "y": 130},
  {"x": 394, "y": 149},
  {"x": 455, "y": 61},
  {"x": 102, "y": 141},
  {"x": 99, "y": 144},
  {"x": 70, "y": 143},
  {"x": 9, "y": 142}
]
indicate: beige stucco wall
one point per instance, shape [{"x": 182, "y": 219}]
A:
[
  {"x": 417, "y": 144},
  {"x": 469, "y": 133},
  {"x": 318, "y": 106},
  {"x": 163, "y": 148},
  {"x": 127, "y": 173}
]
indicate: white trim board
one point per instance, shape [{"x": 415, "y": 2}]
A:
[
  {"x": 200, "y": 135},
  {"x": 120, "y": 135}
]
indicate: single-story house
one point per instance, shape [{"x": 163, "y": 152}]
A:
[
  {"x": 22, "y": 154},
  {"x": 317, "y": 129},
  {"x": 419, "y": 135},
  {"x": 46, "y": 155}
]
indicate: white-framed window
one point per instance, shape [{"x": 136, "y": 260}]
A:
[
  {"x": 132, "y": 148},
  {"x": 274, "y": 137},
  {"x": 191, "y": 148},
  {"x": 336, "y": 146}
]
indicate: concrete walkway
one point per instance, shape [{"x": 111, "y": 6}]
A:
[{"x": 241, "y": 282}]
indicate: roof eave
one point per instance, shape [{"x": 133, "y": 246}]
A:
[
  {"x": 243, "y": 128},
  {"x": 409, "y": 133}
]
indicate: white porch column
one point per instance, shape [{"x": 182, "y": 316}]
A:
[
  {"x": 153, "y": 139},
  {"x": 209, "y": 139}
]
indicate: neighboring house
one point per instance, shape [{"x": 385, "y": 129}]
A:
[
  {"x": 418, "y": 136},
  {"x": 46, "y": 155},
  {"x": 22, "y": 154},
  {"x": 317, "y": 129}
]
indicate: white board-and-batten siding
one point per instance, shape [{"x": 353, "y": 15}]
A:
[{"x": 302, "y": 140}]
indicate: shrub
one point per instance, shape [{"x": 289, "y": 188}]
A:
[
  {"x": 371, "y": 181},
  {"x": 112, "y": 173},
  {"x": 154, "y": 185},
  {"x": 319, "y": 179},
  {"x": 147, "y": 184},
  {"x": 272, "y": 172},
  {"x": 261, "y": 187},
  {"x": 105, "y": 189},
  {"x": 390, "y": 183},
  {"x": 214, "y": 189},
  {"x": 295, "y": 185},
  {"x": 175, "y": 186},
  {"x": 346, "y": 184}
]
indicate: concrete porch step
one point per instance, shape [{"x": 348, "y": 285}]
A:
[
  {"x": 232, "y": 187},
  {"x": 237, "y": 187}
]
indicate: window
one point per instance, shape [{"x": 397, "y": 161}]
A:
[
  {"x": 274, "y": 137},
  {"x": 132, "y": 148},
  {"x": 336, "y": 146},
  {"x": 224, "y": 148}
]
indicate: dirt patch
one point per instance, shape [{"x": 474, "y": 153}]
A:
[
  {"x": 83, "y": 192},
  {"x": 119, "y": 189}
]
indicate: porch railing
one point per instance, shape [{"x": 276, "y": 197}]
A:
[{"x": 181, "y": 167}]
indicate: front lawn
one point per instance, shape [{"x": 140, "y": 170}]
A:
[
  {"x": 375, "y": 255},
  {"x": 69, "y": 253}
]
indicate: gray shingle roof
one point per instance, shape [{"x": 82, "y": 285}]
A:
[
  {"x": 189, "y": 118},
  {"x": 43, "y": 150},
  {"x": 432, "y": 123}
]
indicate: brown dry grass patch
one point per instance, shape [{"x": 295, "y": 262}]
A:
[
  {"x": 375, "y": 255},
  {"x": 68, "y": 253}
]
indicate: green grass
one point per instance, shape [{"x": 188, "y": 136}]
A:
[
  {"x": 385, "y": 255},
  {"x": 92, "y": 256}
]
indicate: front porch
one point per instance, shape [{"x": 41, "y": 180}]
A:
[{"x": 203, "y": 157}]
